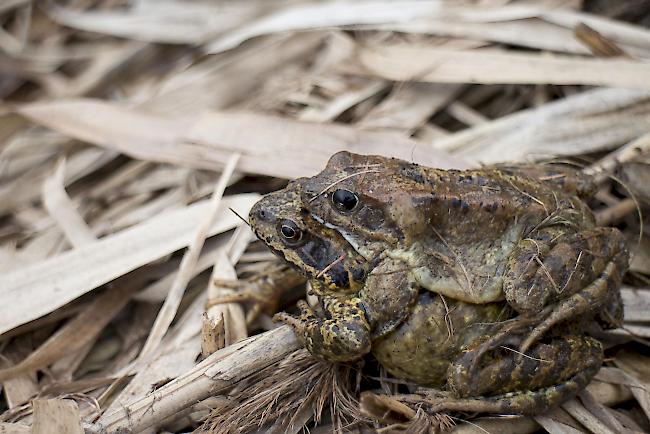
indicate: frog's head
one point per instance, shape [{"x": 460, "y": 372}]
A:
[
  {"x": 282, "y": 223},
  {"x": 368, "y": 199}
]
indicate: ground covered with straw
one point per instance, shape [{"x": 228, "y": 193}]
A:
[{"x": 130, "y": 130}]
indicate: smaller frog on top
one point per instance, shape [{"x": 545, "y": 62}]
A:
[{"x": 522, "y": 234}]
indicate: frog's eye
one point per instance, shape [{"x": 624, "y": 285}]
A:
[
  {"x": 344, "y": 200},
  {"x": 290, "y": 232}
]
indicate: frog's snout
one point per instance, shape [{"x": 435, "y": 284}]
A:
[{"x": 258, "y": 214}]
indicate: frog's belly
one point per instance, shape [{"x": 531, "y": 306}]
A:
[
  {"x": 421, "y": 349},
  {"x": 470, "y": 289},
  {"x": 475, "y": 276}
]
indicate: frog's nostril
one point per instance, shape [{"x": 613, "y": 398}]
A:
[{"x": 264, "y": 215}]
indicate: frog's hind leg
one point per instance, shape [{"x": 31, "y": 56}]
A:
[
  {"x": 551, "y": 374},
  {"x": 592, "y": 285},
  {"x": 262, "y": 291},
  {"x": 509, "y": 334},
  {"x": 603, "y": 288},
  {"x": 528, "y": 403},
  {"x": 574, "y": 273}
]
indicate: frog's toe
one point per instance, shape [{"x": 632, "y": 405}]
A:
[
  {"x": 295, "y": 323},
  {"x": 305, "y": 310}
]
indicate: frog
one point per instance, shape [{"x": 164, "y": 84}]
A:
[
  {"x": 336, "y": 273},
  {"x": 280, "y": 221},
  {"x": 262, "y": 291},
  {"x": 438, "y": 345},
  {"x": 523, "y": 234},
  {"x": 385, "y": 311}
]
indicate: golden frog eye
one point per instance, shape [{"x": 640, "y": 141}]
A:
[
  {"x": 344, "y": 200},
  {"x": 290, "y": 232}
]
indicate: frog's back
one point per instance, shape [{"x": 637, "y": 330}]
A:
[
  {"x": 477, "y": 218},
  {"x": 561, "y": 177}
]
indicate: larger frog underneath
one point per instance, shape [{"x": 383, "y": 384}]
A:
[{"x": 446, "y": 276}]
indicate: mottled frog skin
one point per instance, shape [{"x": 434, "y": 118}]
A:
[
  {"x": 519, "y": 234},
  {"x": 448, "y": 276}
]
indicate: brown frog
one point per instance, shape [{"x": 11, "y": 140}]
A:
[
  {"x": 332, "y": 266},
  {"x": 362, "y": 270},
  {"x": 516, "y": 233},
  {"x": 439, "y": 345}
]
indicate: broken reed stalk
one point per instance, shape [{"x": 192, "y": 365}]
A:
[
  {"x": 286, "y": 395},
  {"x": 215, "y": 375}
]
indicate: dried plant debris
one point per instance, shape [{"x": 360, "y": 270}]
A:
[
  {"x": 133, "y": 134},
  {"x": 400, "y": 417},
  {"x": 282, "y": 394}
]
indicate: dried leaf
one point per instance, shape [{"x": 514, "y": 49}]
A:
[
  {"x": 637, "y": 372},
  {"x": 585, "y": 122},
  {"x": 325, "y": 15},
  {"x": 56, "y": 415},
  {"x": 38, "y": 289},
  {"x": 188, "y": 263},
  {"x": 63, "y": 211},
  {"x": 439, "y": 65},
  {"x": 637, "y": 304},
  {"x": 14, "y": 428},
  {"x": 168, "y": 22},
  {"x": 220, "y": 371},
  {"x": 77, "y": 333},
  {"x": 207, "y": 141},
  {"x": 530, "y": 32},
  {"x": 578, "y": 411}
]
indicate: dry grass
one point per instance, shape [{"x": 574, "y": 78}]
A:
[
  {"x": 289, "y": 392},
  {"x": 120, "y": 119}
]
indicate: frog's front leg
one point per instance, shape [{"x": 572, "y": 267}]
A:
[
  {"x": 343, "y": 337},
  {"x": 262, "y": 291},
  {"x": 575, "y": 273}
]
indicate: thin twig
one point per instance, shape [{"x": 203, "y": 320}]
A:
[{"x": 170, "y": 306}]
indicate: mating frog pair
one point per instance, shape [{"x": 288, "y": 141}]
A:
[{"x": 481, "y": 283}]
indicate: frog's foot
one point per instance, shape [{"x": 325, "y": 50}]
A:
[
  {"x": 576, "y": 273},
  {"x": 297, "y": 324},
  {"x": 258, "y": 303},
  {"x": 529, "y": 403},
  {"x": 344, "y": 337},
  {"x": 262, "y": 292},
  {"x": 527, "y": 384}
]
